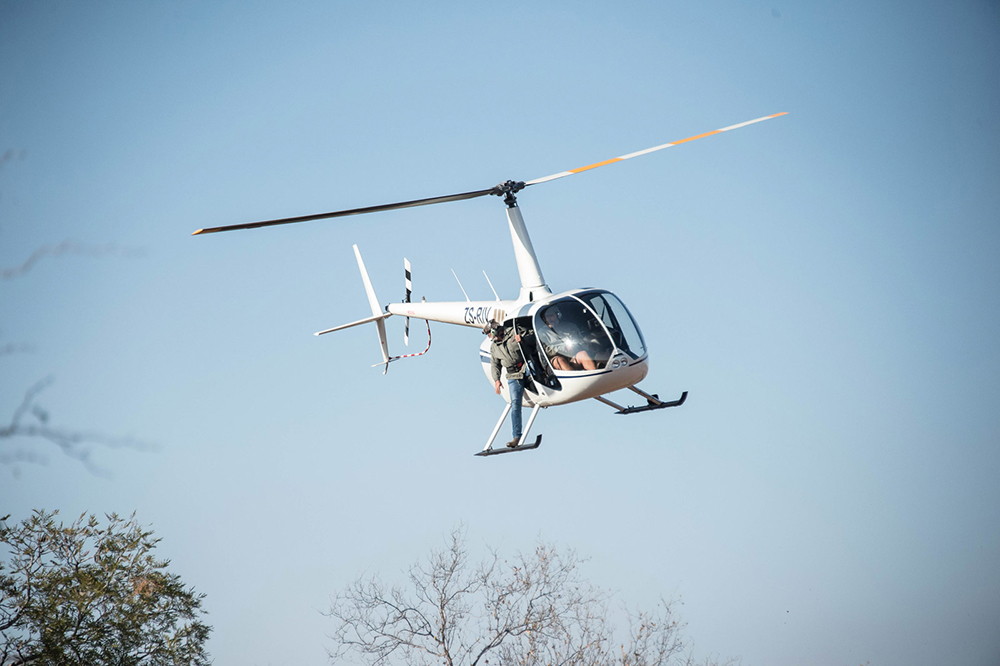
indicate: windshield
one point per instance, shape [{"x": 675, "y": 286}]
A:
[
  {"x": 572, "y": 337},
  {"x": 622, "y": 327}
]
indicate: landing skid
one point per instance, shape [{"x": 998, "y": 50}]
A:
[
  {"x": 490, "y": 451},
  {"x": 522, "y": 447},
  {"x": 652, "y": 402}
]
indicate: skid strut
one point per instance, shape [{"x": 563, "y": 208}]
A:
[{"x": 490, "y": 451}]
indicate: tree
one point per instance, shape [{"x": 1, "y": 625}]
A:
[
  {"x": 533, "y": 610},
  {"x": 85, "y": 595}
]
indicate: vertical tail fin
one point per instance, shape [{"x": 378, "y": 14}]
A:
[{"x": 376, "y": 310}]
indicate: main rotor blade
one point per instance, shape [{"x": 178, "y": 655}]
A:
[
  {"x": 508, "y": 187},
  {"x": 352, "y": 211},
  {"x": 563, "y": 174}
]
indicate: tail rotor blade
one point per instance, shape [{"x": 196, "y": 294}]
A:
[{"x": 409, "y": 290}]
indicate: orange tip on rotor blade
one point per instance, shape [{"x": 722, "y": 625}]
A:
[
  {"x": 563, "y": 174},
  {"x": 596, "y": 164}
]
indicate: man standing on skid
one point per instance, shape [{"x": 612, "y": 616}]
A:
[{"x": 506, "y": 352}]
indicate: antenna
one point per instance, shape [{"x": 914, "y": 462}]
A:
[
  {"x": 491, "y": 285},
  {"x": 460, "y": 286}
]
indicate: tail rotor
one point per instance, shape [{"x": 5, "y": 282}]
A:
[{"x": 409, "y": 290}]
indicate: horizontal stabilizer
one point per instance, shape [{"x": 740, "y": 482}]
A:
[{"x": 366, "y": 320}]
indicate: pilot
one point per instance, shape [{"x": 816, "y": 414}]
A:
[
  {"x": 563, "y": 343},
  {"x": 506, "y": 352}
]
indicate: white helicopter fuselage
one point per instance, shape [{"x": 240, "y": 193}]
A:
[
  {"x": 613, "y": 362},
  {"x": 615, "y": 366},
  {"x": 618, "y": 369}
]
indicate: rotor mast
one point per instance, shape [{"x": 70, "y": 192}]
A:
[{"x": 532, "y": 283}]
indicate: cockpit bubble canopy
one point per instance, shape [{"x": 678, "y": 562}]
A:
[
  {"x": 619, "y": 321},
  {"x": 579, "y": 333}
]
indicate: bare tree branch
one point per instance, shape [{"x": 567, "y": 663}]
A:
[
  {"x": 532, "y": 610},
  {"x": 73, "y": 443},
  {"x": 11, "y": 154},
  {"x": 69, "y": 247},
  {"x": 30, "y": 420},
  {"x": 14, "y": 348}
]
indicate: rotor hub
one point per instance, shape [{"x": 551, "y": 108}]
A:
[{"x": 507, "y": 190}]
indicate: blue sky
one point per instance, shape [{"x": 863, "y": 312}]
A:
[{"x": 824, "y": 284}]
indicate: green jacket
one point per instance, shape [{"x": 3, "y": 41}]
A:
[{"x": 507, "y": 353}]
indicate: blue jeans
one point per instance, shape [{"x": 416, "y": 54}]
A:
[{"x": 516, "y": 388}]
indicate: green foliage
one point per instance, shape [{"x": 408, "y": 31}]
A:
[{"x": 81, "y": 594}]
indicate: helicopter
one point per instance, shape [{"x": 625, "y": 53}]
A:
[{"x": 602, "y": 348}]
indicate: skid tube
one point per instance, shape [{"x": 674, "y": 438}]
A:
[
  {"x": 522, "y": 447},
  {"x": 652, "y": 402}
]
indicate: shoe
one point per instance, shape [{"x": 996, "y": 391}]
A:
[{"x": 512, "y": 444}]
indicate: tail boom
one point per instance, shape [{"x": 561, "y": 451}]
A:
[{"x": 475, "y": 314}]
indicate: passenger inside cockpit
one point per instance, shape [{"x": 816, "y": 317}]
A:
[{"x": 564, "y": 342}]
